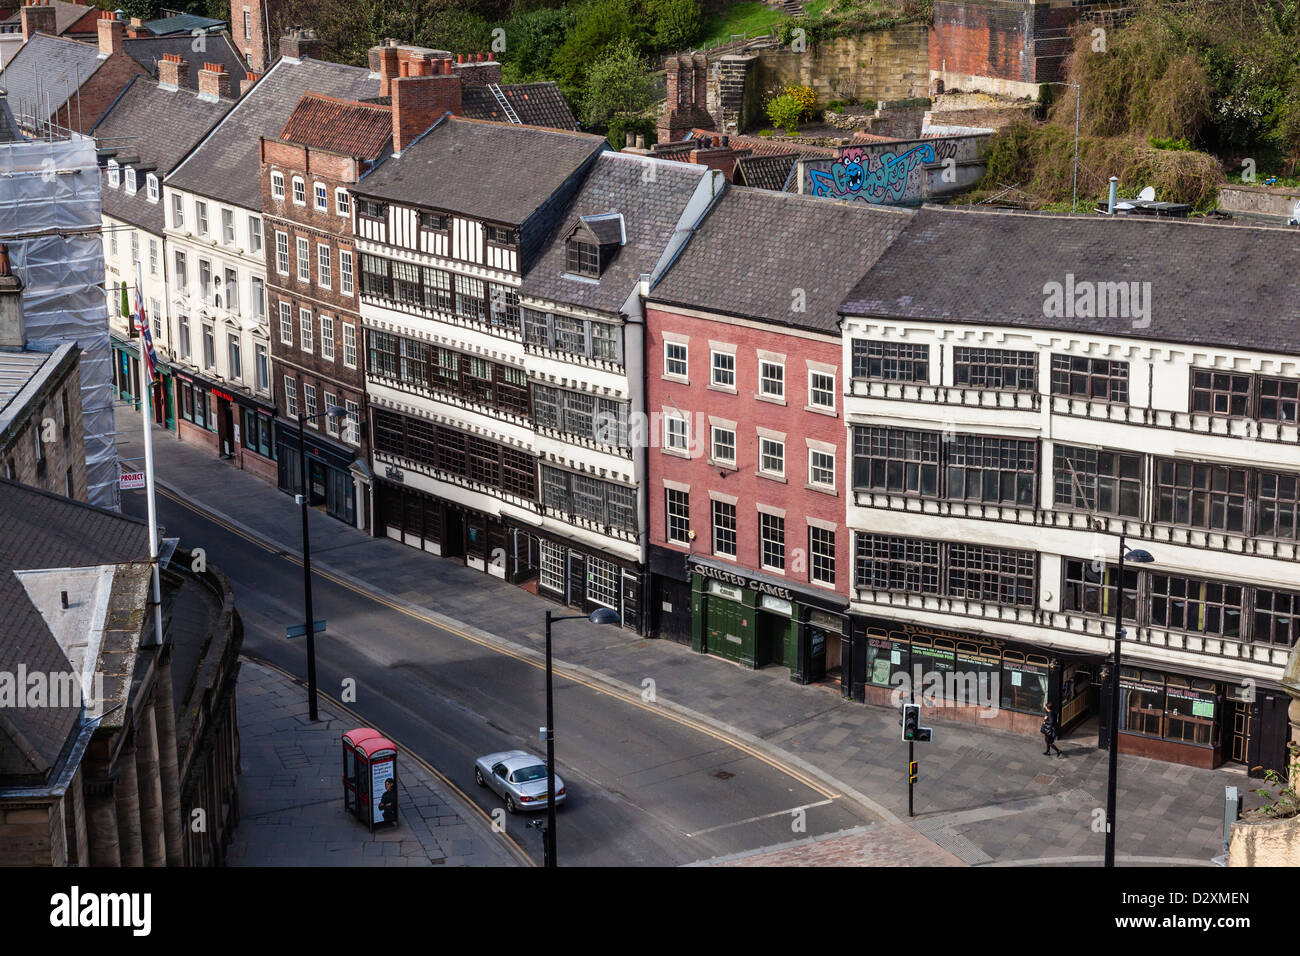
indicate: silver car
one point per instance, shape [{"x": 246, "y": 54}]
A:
[{"x": 518, "y": 777}]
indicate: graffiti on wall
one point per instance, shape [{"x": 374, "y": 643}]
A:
[{"x": 874, "y": 177}]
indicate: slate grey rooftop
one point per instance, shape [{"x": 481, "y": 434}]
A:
[
  {"x": 495, "y": 171},
  {"x": 225, "y": 165},
  {"x": 762, "y": 254},
  {"x": 131, "y": 126},
  {"x": 616, "y": 183},
  {"x": 1211, "y": 284},
  {"x": 48, "y": 65},
  {"x": 217, "y": 48}
]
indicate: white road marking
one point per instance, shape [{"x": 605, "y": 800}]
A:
[{"x": 765, "y": 816}]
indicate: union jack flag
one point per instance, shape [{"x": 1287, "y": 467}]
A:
[{"x": 146, "y": 337}]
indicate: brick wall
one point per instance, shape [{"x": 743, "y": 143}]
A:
[
  {"x": 418, "y": 101},
  {"x": 318, "y": 227},
  {"x": 749, "y": 413},
  {"x": 250, "y": 43},
  {"x": 98, "y": 93},
  {"x": 32, "y": 834},
  {"x": 1017, "y": 42}
]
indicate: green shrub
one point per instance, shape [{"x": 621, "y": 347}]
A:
[
  {"x": 677, "y": 23},
  {"x": 784, "y": 111}
]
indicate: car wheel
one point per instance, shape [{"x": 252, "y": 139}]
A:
[
  {"x": 478, "y": 777},
  {"x": 510, "y": 805}
]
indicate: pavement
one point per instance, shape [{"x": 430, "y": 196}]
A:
[
  {"x": 985, "y": 796},
  {"x": 291, "y": 800}
]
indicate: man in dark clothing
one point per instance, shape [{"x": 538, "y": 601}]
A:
[
  {"x": 1048, "y": 730},
  {"x": 388, "y": 802}
]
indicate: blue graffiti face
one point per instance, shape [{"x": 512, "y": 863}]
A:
[{"x": 892, "y": 178}]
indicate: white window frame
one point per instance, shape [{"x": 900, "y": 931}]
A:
[
  {"x": 261, "y": 366},
  {"x": 201, "y": 216},
  {"x": 303, "y": 258},
  {"x": 331, "y": 423},
  {"x": 353, "y": 434},
  {"x": 290, "y": 396},
  {"x": 228, "y": 226},
  {"x": 677, "y": 433},
  {"x": 151, "y": 187},
  {"x": 342, "y": 202},
  {"x": 321, "y": 196},
  {"x": 728, "y": 429},
  {"x": 346, "y": 273},
  {"x": 670, "y": 346},
  {"x": 324, "y": 268},
  {"x": 286, "y": 323},
  {"x": 305, "y": 332},
  {"x": 327, "y": 337},
  {"x": 178, "y": 211},
  {"x": 254, "y": 233},
  {"x": 552, "y": 566},
  {"x": 763, "y": 442},
  {"x": 349, "y": 344},
  {"x": 813, "y": 451},
  {"x": 277, "y": 185},
  {"x": 309, "y": 405},
  {"x": 114, "y": 174},
  {"x": 299, "y": 190},
  {"x": 714, "y": 353},
  {"x": 282, "y": 252},
  {"x": 604, "y": 575},
  {"x": 813, "y": 404},
  {"x": 763, "y": 365}
]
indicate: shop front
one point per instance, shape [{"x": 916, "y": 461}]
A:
[
  {"x": 577, "y": 575},
  {"x": 440, "y": 527},
  {"x": 126, "y": 382},
  {"x": 668, "y": 612},
  {"x": 1202, "y": 721},
  {"x": 329, "y": 471},
  {"x": 759, "y": 620},
  {"x": 970, "y": 677}
]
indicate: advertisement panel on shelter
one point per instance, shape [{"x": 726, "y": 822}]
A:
[{"x": 383, "y": 791}]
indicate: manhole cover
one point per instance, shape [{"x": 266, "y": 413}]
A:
[
  {"x": 1044, "y": 778},
  {"x": 724, "y": 774}
]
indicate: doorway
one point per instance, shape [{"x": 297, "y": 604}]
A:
[
  {"x": 776, "y": 644},
  {"x": 453, "y": 534},
  {"x": 1241, "y": 723},
  {"x": 225, "y": 429}
]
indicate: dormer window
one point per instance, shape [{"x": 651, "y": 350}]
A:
[
  {"x": 114, "y": 174},
  {"x": 583, "y": 258},
  {"x": 151, "y": 185},
  {"x": 435, "y": 222},
  {"x": 500, "y": 235},
  {"x": 130, "y": 180}
]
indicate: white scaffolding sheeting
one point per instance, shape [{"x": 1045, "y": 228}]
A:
[{"x": 50, "y": 219}]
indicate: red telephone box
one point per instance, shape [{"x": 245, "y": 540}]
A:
[{"x": 370, "y": 777}]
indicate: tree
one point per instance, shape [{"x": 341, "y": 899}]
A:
[
  {"x": 617, "y": 83},
  {"x": 784, "y": 112},
  {"x": 677, "y": 23},
  {"x": 599, "y": 25}
]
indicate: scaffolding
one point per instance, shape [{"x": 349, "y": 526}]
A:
[{"x": 50, "y": 219}]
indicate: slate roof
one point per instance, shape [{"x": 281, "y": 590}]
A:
[
  {"x": 762, "y": 146},
  {"x": 536, "y": 104},
  {"x": 65, "y": 15},
  {"x": 765, "y": 172},
  {"x": 46, "y": 64},
  {"x": 616, "y": 183},
  {"x": 182, "y": 23},
  {"x": 9, "y": 131},
  {"x": 225, "y": 166},
  {"x": 495, "y": 171},
  {"x": 363, "y": 130},
  {"x": 757, "y": 249},
  {"x": 147, "y": 51},
  {"x": 43, "y": 530},
  {"x": 131, "y": 126},
  {"x": 1214, "y": 285}
]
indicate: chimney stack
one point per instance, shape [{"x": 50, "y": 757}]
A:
[
  {"x": 384, "y": 61},
  {"x": 247, "y": 82},
  {"x": 214, "y": 82},
  {"x": 13, "y": 331},
  {"x": 173, "y": 72},
  {"x": 136, "y": 29},
  {"x": 418, "y": 102},
  {"x": 110, "y": 33},
  {"x": 299, "y": 43},
  {"x": 38, "y": 18}
]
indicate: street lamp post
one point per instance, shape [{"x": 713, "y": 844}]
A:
[
  {"x": 338, "y": 414},
  {"x": 1140, "y": 557},
  {"x": 602, "y": 615}
]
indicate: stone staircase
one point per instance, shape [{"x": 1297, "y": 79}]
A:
[{"x": 792, "y": 8}]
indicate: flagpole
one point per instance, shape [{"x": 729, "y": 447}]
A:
[{"x": 146, "y": 414}]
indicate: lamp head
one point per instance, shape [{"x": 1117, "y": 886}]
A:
[
  {"x": 337, "y": 412},
  {"x": 603, "y": 615},
  {"x": 1139, "y": 556}
]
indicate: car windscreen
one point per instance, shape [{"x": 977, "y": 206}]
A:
[{"x": 526, "y": 774}]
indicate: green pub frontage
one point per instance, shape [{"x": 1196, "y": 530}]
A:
[
  {"x": 757, "y": 620},
  {"x": 126, "y": 380},
  {"x": 1200, "y": 720}
]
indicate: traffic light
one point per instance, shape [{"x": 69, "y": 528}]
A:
[
  {"x": 911, "y": 721},
  {"x": 911, "y": 771}
]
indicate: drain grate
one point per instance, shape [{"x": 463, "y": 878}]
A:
[{"x": 724, "y": 774}]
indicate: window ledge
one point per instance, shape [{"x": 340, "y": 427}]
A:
[
  {"x": 675, "y": 452},
  {"x": 679, "y": 379},
  {"x": 725, "y": 466},
  {"x": 823, "y": 489},
  {"x": 770, "y": 399},
  {"x": 771, "y": 477},
  {"x": 725, "y": 389},
  {"x": 819, "y": 410}
]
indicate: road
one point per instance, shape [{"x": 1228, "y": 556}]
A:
[{"x": 644, "y": 787}]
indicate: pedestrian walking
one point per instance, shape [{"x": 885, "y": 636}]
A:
[{"x": 1048, "y": 730}]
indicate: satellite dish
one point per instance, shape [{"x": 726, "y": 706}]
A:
[{"x": 1148, "y": 194}]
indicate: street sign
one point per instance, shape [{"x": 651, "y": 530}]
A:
[
  {"x": 300, "y": 630},
  {"x": 131, "y": 480}
]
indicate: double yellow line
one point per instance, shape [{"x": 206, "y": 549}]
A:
[{"x": 417, "y": 614}]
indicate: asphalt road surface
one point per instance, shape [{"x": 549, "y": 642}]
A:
[{"x": 643, "y": 788}]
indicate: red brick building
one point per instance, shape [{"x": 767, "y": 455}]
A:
[
  {"x": 316, "y": 354},
  {"x": 747, "y": 471}
]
